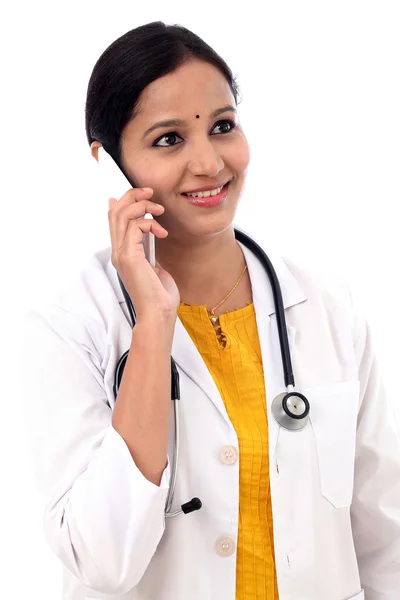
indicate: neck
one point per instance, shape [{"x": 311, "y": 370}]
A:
[{"x": 204, "y": 270}]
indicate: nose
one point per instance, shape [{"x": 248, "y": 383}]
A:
[{"x": 204, "y": 159}]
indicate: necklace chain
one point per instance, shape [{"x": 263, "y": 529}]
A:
[{"x": 211, "y": 311}]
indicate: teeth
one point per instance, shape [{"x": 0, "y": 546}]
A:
[{"x": 206, "y": 194}]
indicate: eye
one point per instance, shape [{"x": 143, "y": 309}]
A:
[{"x": 174, "y": 135}]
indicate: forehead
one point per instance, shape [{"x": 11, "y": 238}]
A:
[{"x": 192, "y": 87}]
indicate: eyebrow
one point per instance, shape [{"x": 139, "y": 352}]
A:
[{"x": 177, "y": 122}]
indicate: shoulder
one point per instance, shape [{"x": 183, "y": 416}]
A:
[
  {"x": 80, "y": 312},
  {"x": 328, "y": 291},
  {"x": 325, "y": 283},
  {"x": 303, "y": 283},
  {"x": 90, "y": 293}
]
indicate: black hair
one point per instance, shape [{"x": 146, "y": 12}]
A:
[{"x": 131, "y": 63}]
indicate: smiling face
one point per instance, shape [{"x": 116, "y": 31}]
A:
[{"x": 203, "y": 151}]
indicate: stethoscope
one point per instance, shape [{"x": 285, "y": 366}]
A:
[{"x": 290, "y": 409}]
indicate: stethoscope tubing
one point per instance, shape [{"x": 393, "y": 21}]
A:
[{"x": 278, "y": 302}]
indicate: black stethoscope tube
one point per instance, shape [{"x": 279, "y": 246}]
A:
[{"x": 278, "y": 302}]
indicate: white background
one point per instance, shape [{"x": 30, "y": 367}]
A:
[{"x": 320, "y": 104}]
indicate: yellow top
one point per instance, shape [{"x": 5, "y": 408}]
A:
[{"x": 231, "y": 350}]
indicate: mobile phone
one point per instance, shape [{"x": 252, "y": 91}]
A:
[{"x": 115, "y": 184}]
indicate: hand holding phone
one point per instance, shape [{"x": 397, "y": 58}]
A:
[
  {"x": 115, "y": 184},
  {"x": 152, "y": 290}
]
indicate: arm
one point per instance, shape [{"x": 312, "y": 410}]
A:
[
  {"x": 142, "y": 411},
  {"x": 102, "y": 517},
  {"x": 375, "y": 512}
]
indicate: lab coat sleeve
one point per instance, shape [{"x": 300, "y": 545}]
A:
[
  {"x": 375, "y": 511},
  {"x": 102, "y": 518}
]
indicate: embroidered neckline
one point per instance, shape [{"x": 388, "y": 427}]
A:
[
  {"x": 216, "y": 324},
  {"x": 248, "y": 303}
]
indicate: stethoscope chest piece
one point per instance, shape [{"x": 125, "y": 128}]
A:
[{"x": 290, "y": 410}]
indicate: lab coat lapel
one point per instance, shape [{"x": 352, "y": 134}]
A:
[
  {"x": 274, "y": 379},
  {"x": 187, "y": 357}
]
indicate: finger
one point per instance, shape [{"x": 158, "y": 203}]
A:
[
  {"x": 119, "y": 220},
  {"x": 136, "y": 230},
  {"x": 132, "y": 214},
  {"x": 134, "y": 195},
  {"x": 131, "y": 196}
]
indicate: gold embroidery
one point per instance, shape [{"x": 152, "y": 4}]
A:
[
  {"x": 215, "y": 322},
  {"x": 220, "y": 335}
]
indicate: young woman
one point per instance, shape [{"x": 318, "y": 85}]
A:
[{"x": 306, "y": 512}]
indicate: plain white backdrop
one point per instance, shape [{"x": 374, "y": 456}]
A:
[{"x": 320, "y": 93}]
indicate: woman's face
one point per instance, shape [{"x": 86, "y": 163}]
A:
[{"x": 180, "y": 158}]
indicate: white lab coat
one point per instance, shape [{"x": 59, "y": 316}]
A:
[{"x": 335, "y": 485}]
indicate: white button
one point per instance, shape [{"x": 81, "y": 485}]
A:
[
  {"x": 228, "y": 455},
  {"x": 225, "y": 546}
]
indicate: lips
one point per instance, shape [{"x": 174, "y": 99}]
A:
[
  {"x": 207, "y": 188},
  {"x": 211, "y": 200}
]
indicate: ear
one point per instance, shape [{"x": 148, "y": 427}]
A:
[{"x": 94, "y": 146}]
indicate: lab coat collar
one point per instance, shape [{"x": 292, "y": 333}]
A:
[{"x": 291, "y": 291}]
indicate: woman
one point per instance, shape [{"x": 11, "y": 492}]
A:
[{"x": 312, "y": 514}]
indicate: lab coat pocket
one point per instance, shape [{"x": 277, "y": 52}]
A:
[{"x": 333, "y": 416}]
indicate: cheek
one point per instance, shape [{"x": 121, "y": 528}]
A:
[
  {"x": 164, "y": 183},
  {"x": 160, "y": 176},
  {"x": 236, "y": 155},
  {"x": 242, "y": 156}
]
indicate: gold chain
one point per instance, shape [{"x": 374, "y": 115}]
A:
[{"x": 213, "y": 317}]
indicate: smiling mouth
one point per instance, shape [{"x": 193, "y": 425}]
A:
[
  {"x": 208, "y": 189},
  {"x": 207, "y": 192},
  {"x": 210, "y": 201}
]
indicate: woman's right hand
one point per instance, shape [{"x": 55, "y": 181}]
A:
[{"x": 153, "y": 291}]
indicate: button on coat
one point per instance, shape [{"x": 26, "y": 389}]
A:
[{"x": 228, "y": 455}]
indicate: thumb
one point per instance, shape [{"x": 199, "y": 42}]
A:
[{"x": 111, "y": 202}]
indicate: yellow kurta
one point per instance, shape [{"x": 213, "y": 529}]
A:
[{"x": 238, "y": 373}]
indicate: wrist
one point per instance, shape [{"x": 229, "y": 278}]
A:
[{"x": 156, "y": 327}]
